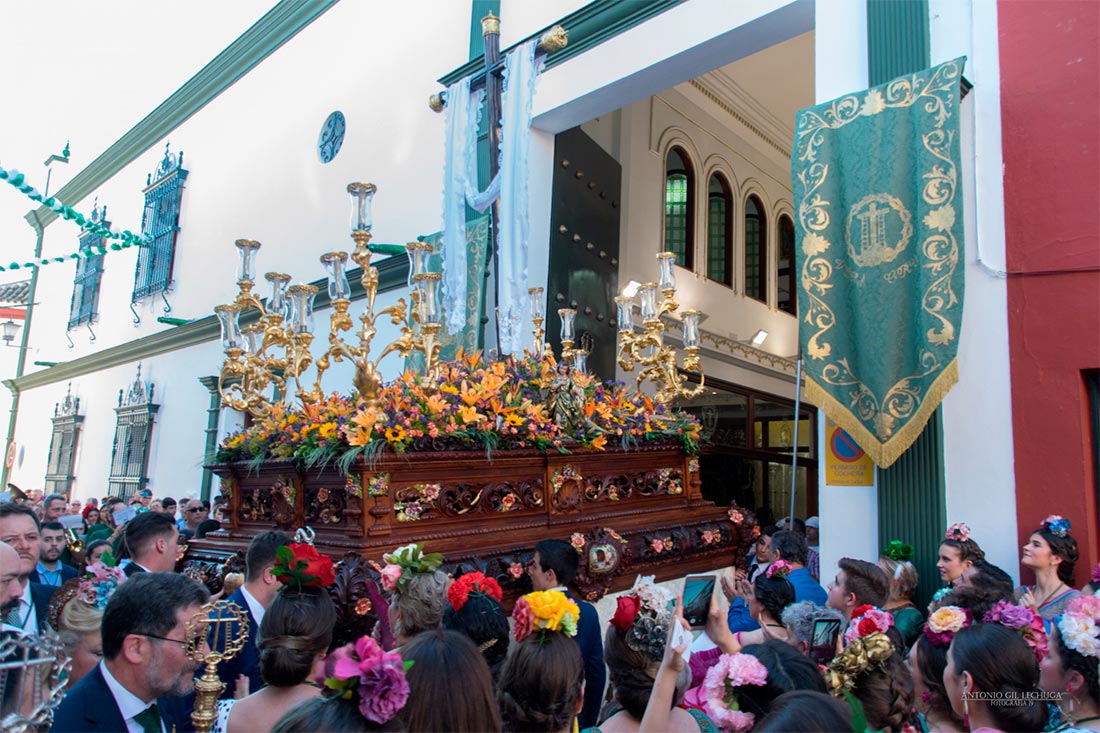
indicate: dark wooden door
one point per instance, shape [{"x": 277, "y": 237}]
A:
[{"x": 584, "y": 247}]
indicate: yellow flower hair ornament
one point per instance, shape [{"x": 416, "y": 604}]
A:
[
  {"x": 861, "y": 655},
  {"x": 548, "y": 610}
]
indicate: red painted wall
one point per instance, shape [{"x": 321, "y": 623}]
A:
[{"x": 1050, "y": 126}]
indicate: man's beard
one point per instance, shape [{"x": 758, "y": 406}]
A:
[
  {"x": 180, "y": 683},
  {"x": 51, "y": 556}
]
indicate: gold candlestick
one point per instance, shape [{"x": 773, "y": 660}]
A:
[{"x": 216, "y": 633}]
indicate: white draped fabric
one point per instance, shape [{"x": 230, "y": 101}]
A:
[{"x": 510, "y": 185}]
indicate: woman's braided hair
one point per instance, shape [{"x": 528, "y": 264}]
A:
[{"x": 541, "y": 684}]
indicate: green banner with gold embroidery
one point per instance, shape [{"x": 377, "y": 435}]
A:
[
  {"x": 879, "y": 246},
  {"x": 469, "y": 338}
]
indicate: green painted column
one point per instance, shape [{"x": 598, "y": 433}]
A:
[
  {"x": 897, "y": 38},
  {"x": 912, "y": 503}
]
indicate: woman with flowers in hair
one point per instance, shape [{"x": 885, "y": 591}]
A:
[
  {"x": 473, "y": 608},
  {"x": 987, "y": 662},
  {"x": 419, "y": 590},
  {"x": 1072, "y": 665},
  {"x": 634, "y": 646},
  {"x": 541, "y": 687},
  {"x": 294, "y": 638},
  {"x": 896, "y": 562},
  {"x": 362, "y": 688},
  {"x": 76, "y": 611},
  {"x": 927, "y": 661},
  {"x": 870, "y": 674},
  {"x": 957, "y": 553},
  {"x": 1051, "y": 552}
]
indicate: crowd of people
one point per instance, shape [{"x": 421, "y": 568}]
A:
[{"x": 776, "y": 651}]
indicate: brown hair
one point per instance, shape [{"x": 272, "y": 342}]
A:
[
  {"x": 968, "y": 549},
  {"x": 632, "y": 674},
  {"x": 541, "y": 684},
  {"x": 902, "y": 577},
  {"x": 295, "y": 630},
  {"x": 1001, "y": 662},
  {"x": 886, "y": 694},
  {"x": 866, "y": 580},
  {"x": 1063, "y": 547},
  {"x": 436, "y": 702}
]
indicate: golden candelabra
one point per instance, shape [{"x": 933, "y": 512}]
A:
[
  {"x": 275, "y": 349},
  {"x": 218, "y": 632},
  {"x": 647, "y": 348}
]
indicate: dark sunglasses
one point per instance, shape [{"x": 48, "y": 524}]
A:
[{"x": 192, "y": 511}]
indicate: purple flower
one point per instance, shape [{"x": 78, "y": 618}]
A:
[
  {"x": 383, "y": 690},
  {"x": 1009, "y": 614}
]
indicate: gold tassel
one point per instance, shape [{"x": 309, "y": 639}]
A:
[{"x": 885, "y": 454}]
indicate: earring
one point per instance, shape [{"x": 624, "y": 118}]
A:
[{"x": 966, "y": 713}]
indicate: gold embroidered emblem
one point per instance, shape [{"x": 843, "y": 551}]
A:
[{"x": 879, "y": 229}]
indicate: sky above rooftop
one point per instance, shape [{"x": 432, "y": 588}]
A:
[{"x": 86, "y": 73}]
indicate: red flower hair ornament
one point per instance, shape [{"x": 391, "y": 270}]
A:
[
  {"x": 460, "y": 590},
  {"x": 302, "y": 566}
]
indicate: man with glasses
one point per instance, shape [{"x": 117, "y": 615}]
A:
[
  {"x": 147, "y": 629},
  {"x": 194, "y": 514}
]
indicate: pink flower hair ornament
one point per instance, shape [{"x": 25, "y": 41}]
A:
[
  {"x": 958, "y": 531},
  {"x": 362, "y": 670},
  {"x": 720, "y": 689},
  {"x": 779, "y": 569},
  {"x": 867, "y": 620}
]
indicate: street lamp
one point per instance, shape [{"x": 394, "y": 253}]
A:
[{"x": 8, "y": 331}]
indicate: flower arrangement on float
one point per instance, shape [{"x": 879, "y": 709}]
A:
[{"x": 467, "y": 403}]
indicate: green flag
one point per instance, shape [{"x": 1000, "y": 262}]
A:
[
  {"x": 469, "y": 338},
  {"x": 876, "y": 179}
]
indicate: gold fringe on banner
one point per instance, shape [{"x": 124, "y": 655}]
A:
[{"x": 885, "y": 454}]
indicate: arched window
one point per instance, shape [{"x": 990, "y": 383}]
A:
[
  {"x": 756, "y": 250},
  {"x": 679, "y": 207},
  {"x": 719, "y": 231},
  {"x": 785, "y": 275}
]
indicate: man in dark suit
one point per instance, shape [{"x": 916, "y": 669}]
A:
[
  {"x": 553, "y": 567},
  {"x": 254, "y": 597},
  {"x": 153, "y": 542},
  {"x": 19, "y": 529},
  {"x": 50, "y": 570},
  {"x": 144, "y": 658}
]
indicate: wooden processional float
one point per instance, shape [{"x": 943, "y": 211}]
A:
[{"x": 477, "y": 459}]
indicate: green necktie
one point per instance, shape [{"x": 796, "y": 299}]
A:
[{"x": 149, "y": 719}]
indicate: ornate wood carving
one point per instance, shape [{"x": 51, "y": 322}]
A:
[{"x": 360, "y": 603}]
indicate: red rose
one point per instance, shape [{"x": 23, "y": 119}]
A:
[
  {"x": 625, "y": 612},
  {"x": 317, "y": 565},
  {"x": 861, "y": 611},
  {"x": 866, "y": 626}
]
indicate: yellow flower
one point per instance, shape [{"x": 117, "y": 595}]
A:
[
  {"x": 550, "y": 608},
  {"x": 327, "y": 430},
  {"x": 498, "y": 368},
  {"x": 365, "y": 419},
  {"x": 469, "y": 414},
  {"x": 513, "y": 419},
  {"x": 395, "y": 434},
  {"x": 449, "y": 389},
  {"x": 436, "y": 404},
  {"x": 948, "y": 618},
  {"x": 599, "y": 443}
]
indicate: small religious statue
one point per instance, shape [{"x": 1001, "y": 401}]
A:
[{"x": 566, "y": 397}]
